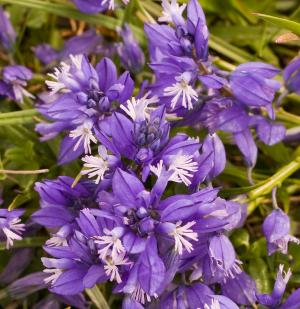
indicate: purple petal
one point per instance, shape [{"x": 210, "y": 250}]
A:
[{"x": 247, "y": 146}]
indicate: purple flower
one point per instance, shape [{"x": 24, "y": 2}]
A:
[
  {"x": 96, "y": 6},
  {"x": 268, "y": 132},
  {"x": 90, "y": 95},
  {"x": 293, "y": 301},
  {"x": 14, "y": 79},
  {"x": 45, "y": 53},
  {"x": 246, "y": 144},
  {"x": 10, "y": 227},
  {"x": 120, "y": 241},
  {"x": 188, "y": 37},
  {"x": 20, "y": 259},
  {"x": 221, "y": 262},
  {"x": 7, "y": 32},
  {"x": 276, "y": 228},
  {"x": 129, "y": 51},
  {"x": 260, "y": 89},
  {"x": 100, "y": 166},
  {"x": 60, "y": 206},
  {"x": 273, "y": 300},
  {"x": 86, "y": 43},
  {"x": 291, "y": 75},
  {"x": 241, "y": 289},
  {"x": 195, "y": 296},
  {"x": 27, "y": 285}
]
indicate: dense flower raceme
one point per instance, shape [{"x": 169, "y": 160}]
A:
[
  {"x": 187, "y": 80},
  {"x": 131, "y": 236},
  {"x": 83, "y": 96}
]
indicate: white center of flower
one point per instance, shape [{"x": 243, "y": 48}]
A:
[
  {"x": 183, "y": 167},
  {"x": 112, "y": 245},
  {"x": 84, "y": 132},
  {"x": 95, "y": 166},
  {"x": 181, "y": 90},
  {"x": 111, "y": 267},
  {"x": 137, "y": 109},
  {"x": 54, "y": 275},
  {"x": 111, "y": 3},
  {"x": 141, "y": 296},
  {"x": 59, "y": 75},
  {"x": 181, "y": 234},
  {"x": 56, "y": 241},
  {"x": 14, "y": 227},
  {"x": 171, "y": 10},
  {"x": 214, "y": 304}
]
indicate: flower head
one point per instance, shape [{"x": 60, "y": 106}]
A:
[
  {"x": 14, "y": 80},
  {"x": 276, "y": 228},
  {"x": 11, "y": 227}
]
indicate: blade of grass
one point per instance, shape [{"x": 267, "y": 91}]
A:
[
  {"x": 234, "y": 53},
  {"x": 281, "y": 22}
]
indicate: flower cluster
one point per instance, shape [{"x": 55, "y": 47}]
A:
[{"x": 126, "y": 226}]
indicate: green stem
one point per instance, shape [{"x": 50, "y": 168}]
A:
[
  {"x": 29, "y": 242},
  {"x": 97, "y": 297},
  {"x": 285, "y": 116},
  {"x": 276, "y": 179},
  {"x": 17, "y": 114}
]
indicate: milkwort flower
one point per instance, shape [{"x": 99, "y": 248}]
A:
[
  {"x": 194, "y": 296},
  {"x": 273, "y": 300},
  {"x": 276, "y": 228},
  {"x": 120, "y": 241},
  {"x": 101, "y": 165},
  {"x": 14, "y": 79},
  {"x": 86, "y": 43},
  {"x": 96, "y": 6},
  {"x": 241, "y": 289},
  {"x": 188, "y": 84},
  {"x": 7, "y": 32},
  {"x": 145, "y": 139},
  {"x": 11, "y": 227},
  {"x": 129, "y": 51},
  {"x": 291, "y": 75},
  {"x": 84, "y": 96},
  {"x": 179, "y": 51},
  {"x": 60, "y": 205}
]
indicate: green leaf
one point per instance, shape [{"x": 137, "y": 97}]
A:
[
  {"x": 240, "y": 238},
  {"x": 36, "y": 19},
  {"x": 278, "y": 152},
  {"x": 281, "y": 22},
  {"x": 258, "y": 249},
  {"x": 228, "y": 50},
  {"x": 22, "y": 158},
  {"x": 258, "y": 269}
]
